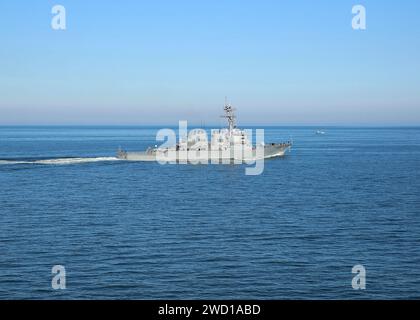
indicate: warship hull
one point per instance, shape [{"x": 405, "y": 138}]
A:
[{"x": 191, "y": 156}]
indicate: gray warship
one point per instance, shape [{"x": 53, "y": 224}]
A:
[{"x": 227, "y": 145}]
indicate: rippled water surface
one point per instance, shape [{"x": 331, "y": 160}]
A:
[{"x": 146, "y": 231}]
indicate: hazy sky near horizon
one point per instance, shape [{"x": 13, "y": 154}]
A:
[{"x": 157, "y": 62}]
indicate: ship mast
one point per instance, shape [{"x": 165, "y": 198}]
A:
[{"x": 230, "y": 116}]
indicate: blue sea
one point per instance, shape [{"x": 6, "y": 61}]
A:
[{"x": 136, "y": 230}]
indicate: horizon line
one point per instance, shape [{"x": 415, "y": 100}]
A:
[{"x": 154, "y": 125}]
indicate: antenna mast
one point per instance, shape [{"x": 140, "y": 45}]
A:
[{"x": 229, "y": 115}]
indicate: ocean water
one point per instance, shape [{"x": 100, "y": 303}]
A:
[{"x": 133, "y": 230}]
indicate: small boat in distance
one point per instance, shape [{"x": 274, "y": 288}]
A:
[
  {"x": 320, "y": 132},
  {"x": 223, "y": 146}
]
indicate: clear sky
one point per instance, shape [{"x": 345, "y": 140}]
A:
[{"x": 157, "y": 62}]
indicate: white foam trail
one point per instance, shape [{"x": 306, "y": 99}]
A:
[
  {"x": 12, "y": 162},
  {"x": 62, "y": 161}
]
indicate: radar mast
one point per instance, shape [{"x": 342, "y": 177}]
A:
[{"x": 230, "y": 115}]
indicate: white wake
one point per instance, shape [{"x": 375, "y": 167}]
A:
[{"x": 59, "y": 161}]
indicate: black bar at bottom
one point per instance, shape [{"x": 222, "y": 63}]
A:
[{"x": 205, "y": 309}]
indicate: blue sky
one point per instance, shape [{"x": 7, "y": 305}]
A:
[{"x": 157, "y": 62}]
